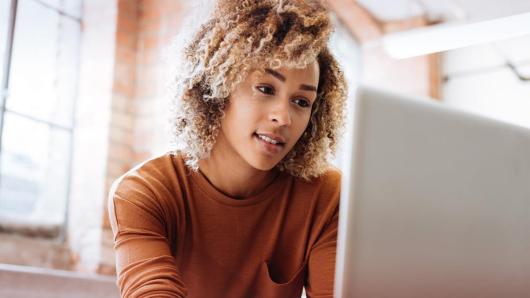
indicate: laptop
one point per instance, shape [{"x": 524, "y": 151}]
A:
[{"x": 435, "y": 203}]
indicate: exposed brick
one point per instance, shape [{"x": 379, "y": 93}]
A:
[
  {"x": 144, "y": 29},
  {"x": 127, "y": 7},
  {"x": 128, "y": 17},
  {"x": 152, "y": 9},
  {"x": 125, "y": 72},
  {"x": 107, "y": 264},
  {"x": 126, "y": 39},
  {"x": 126, "y": 55},
  {"x": 149, "y": 57},
  {"x": 148, "y": 87},
  {"x": 142, "y": 155},
  {"x": 122, "y": 102},
  {"x": 36, "y": 252},
  {"x": 150, "y": 24},
  {"x": 118, "y": 164},
  {"x": 150, "y": 41},
  {"x": 122, "y": 120},
  {"x": 119, "y": 153},
  {"x": 121, "y": 136}
]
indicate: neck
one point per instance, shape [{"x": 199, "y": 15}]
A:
[{"x": 233, "y": 176}]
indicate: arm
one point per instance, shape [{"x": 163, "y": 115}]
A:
[
  {"x": 144, "y": 263},
  {"x": 321, "y": 265}
]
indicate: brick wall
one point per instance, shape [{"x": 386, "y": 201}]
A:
[
  {"x": 139, "y": 101},
  {"x": 158, "y": 24}
]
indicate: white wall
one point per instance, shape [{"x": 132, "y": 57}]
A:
[{"x": 480, "y": 82}]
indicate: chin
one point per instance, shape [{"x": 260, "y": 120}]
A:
[{"x": 263, "y": 165}]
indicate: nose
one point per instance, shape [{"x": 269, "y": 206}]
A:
[{"x": 280, "y": 114}]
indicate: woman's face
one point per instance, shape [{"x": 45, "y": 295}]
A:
[{"x": 267, "y": 113}]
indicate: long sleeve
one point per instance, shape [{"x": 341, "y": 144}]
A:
[
  {"x": 144, "y": 263},
  {"x": 176, "y": 235},
  {"x": 321, "y": 265}
]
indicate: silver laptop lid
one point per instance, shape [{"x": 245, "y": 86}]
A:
[{"x": 436, "y": 203}]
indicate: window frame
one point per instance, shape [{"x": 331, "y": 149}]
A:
[{"x": 21, "y": 226}]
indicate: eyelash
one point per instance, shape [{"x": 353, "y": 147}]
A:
[{"x": 306, "y": 104}]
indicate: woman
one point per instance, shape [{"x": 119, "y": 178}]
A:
[{"x": 246, "y": 205}]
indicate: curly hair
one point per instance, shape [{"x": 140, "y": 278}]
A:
[{"x": 238, "y": 36}]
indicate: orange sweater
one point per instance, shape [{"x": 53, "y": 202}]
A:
[{"x": 176, "y": 235}]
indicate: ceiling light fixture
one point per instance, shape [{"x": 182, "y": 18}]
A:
[{"x": 443, "y": 37}]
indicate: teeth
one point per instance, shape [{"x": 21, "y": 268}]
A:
[{"x": 267, "y": 139}]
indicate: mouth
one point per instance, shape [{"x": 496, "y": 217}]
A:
[
  {"x": 270, "y": 144},
  {"x": 275, "y": 140}
]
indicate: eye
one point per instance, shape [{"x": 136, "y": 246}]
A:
[
  {"x": 265, "y": 89},
  {"x": 302, "y": 102}
]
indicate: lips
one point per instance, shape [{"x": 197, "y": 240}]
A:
[
  {"x": 268, "y": 147},
  {"x": 273, "y": 138}
]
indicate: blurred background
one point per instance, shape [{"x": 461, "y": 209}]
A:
[{"x": 83, "y": 98}]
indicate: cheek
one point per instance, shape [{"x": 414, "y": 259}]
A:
[
  {"x": 305, "y": 121},
  {"x": 238, "y": 121},
  {"x": 301, "y": 125}
]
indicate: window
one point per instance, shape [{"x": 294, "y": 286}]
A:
[
  {"x": 37, "y": 109},
  {"x": 348, "y": 54}
]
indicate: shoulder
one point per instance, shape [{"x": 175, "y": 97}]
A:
[
  {"x": 153, "y": 177},
  {"x": 147, "y": 191},
  {"x": 328, "y": 182},
  {"x": 322, "y": 192},
  {"x": 332, "y": 177},
  {"x": 319, "y": 198},
  {"x": 142, "y": 173},
  {"x": 141, "y": 198}
]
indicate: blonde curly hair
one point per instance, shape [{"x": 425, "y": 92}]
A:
[{"x": 238, "y": 36}]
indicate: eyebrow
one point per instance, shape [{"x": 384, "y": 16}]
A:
[
  {"x": 281, "y": 77},
  {"x": 308, "y": 87},
  {"x": 275, "y": 74}
]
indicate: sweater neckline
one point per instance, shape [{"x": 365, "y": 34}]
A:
[{"x": 213, "y": 193}]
